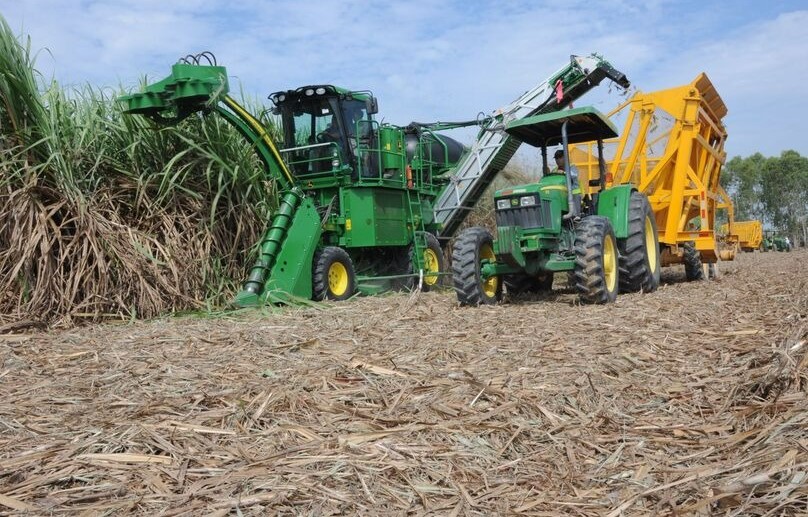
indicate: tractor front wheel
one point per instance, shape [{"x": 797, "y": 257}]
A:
[
  {"x": 333, "y": 275},
  {"x": 472, "y": 247},
  {"x": 596, "y": 259},
  {"x": 639, "y": 252}
]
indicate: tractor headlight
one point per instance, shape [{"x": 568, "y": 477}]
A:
[
  {"x": 502, "y": 204},
  {"x": 320, "y": 91},
  {"x": 281, "y": 98},
  {"x": 527, "y": 200},
  {"x": 309, "y": 92}
]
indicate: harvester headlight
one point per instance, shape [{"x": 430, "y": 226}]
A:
[
  {"x": 309, "y": 92},
  {"x": 281, "y": 98},
  {"x": 527, "y": 200},
  {"x": 320, "y": 91},
  {"x": 502, "y": 204}
]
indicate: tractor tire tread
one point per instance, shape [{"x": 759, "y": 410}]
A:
[
  {"x": 590, "y": 279},
  {"x": 466, "y": 266},
  {"x": 635, "y": 270}
]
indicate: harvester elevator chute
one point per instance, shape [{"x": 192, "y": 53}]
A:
[{"x": 494, "y": 148}]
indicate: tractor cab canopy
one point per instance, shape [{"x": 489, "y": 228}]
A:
[{"x": 583, "y": 125}]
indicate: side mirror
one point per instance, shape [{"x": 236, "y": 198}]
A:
[{"x": 372, "y": 105}]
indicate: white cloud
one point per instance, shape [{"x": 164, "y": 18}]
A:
[{"x": 444, "y": 59}]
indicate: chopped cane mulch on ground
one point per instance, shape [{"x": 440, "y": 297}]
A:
[{"x": 688, "y": 401}]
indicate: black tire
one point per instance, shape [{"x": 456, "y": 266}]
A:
[
  {"x": 333, "y": 274},
  {"x": 522, "y": 283},
  {"x": 692, "y": 261},
  {"x": 434, "y": 262},
  {"x": 470, "y": 247},
  {"x": 639, "y": 252},
  {"x": 597, "y": 272}
]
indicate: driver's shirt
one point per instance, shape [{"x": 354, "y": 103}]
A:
[{"x": 576, "y": 188}]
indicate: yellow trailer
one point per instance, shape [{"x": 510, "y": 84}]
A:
[
  {"x": 672, "y": 150},
  {"x": 748, "y": 234}
]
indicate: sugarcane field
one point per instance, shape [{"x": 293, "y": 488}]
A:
[{"x": 244, "y": 281}]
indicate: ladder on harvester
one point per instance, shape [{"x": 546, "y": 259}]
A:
[
  {"x": 414, "y": 208},
  {"x": 494, "y": 148}
]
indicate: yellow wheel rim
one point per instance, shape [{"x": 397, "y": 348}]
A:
[
  {"x": 431, "y": 267},
  {"x": 337, "y": 279},
  {"x": 490, "y": 285},
  {"x": 651, "y": 249},
  {"x": 610, "y": 263}
]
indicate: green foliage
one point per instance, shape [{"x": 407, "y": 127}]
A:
[
  {"x": 102, "y": 214},
  {"x": 771, "y": 189}
]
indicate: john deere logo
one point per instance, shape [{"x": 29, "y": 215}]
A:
[{"x": 514, "y": 202}]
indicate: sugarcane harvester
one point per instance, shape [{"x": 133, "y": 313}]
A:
[{"x": 362, "y": 205}]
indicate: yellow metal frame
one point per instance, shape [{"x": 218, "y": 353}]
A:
[
  {"x": 678, "y": 168},
  {"x": 747, "y": 234}
]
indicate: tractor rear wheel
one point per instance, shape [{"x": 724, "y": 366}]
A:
[
  {"x": 470, "y": 248},
  {"x": 522, "y": 283},
  {"x": 639, "y": 252},
  {"x": 333, "y": 275},
  {"x": 596, "y": 261},
  {"x": 433, "y": 264},
  {"x": 692, "y": 260}
]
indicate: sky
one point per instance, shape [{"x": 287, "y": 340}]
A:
[{"x": 445, "y": 59}]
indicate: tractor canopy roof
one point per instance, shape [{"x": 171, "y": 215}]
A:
[{"x": 583, "y": 125}]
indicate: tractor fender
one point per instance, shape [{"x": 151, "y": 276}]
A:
[{"x": 613, "y": 203}]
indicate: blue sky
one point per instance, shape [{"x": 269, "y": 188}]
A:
[{"x": 446, "y": 59}]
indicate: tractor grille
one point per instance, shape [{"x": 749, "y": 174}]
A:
[{"x": 537, "y": 216}]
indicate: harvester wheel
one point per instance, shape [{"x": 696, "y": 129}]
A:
[
  {"x": 692, "y": 260},
  {"x": 433, "y": 264},
  {"x": 639, "y": 252},
  {"x": 596, "y": 261},
  {"x": 522, "y": 283},
  {"x": 334, "y": 277},
  {"x": 470, "y": 248}
]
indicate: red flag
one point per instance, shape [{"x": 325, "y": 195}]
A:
[{"x": 559, "y": 91}]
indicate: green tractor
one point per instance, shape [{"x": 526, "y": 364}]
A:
[
  {"x": 781, "y": 243},
  {"x": 607, "y": 241}
]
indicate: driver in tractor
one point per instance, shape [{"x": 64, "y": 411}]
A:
[{"x": 560, "y": 169}]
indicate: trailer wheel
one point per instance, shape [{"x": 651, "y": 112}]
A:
[
  {"x": 596, "y": 261},
  {"x": 639, "y": 252},
  {"x": 471, "y": 247},
  {"x": 433, "y": 264},
  {"x": 333, "y": 275},
  {"x": 692, "y": 260}
]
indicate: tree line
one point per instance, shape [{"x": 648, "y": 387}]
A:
[{"x": 772, "y": 189}]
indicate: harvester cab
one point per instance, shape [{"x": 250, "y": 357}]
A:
[
  {"x": 544, "y": 228},
  {"x": 323, "y": 126}
]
